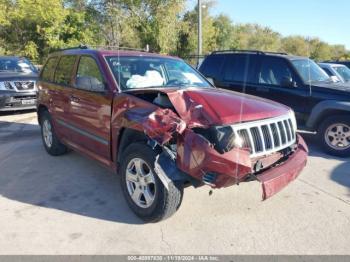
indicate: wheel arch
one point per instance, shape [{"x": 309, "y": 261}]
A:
[
  {"x": 40, "y": 110},
  {"x": 326, "y": 109},
  {"x": 126, "y": 137}
]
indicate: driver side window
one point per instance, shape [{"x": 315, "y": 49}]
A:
[
  {"x": 88, "y": 75},
  {"x": 274, "y": 71}
]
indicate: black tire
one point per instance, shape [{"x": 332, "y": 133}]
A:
[
  {"x": 324, "y": 139},
  {"x": 56, "y": 148},
  {"x": 166, "y": 201}
]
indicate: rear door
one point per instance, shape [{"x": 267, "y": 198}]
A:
[
  {"x": 59, "y": 93},
  {"x": 237, "y": 73},
  {"x": 90, "y": 109}
]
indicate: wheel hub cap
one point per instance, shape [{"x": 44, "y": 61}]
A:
[
  {"x": 337, "y": 136},
  {"x": 140, "y": 183},
  {"x": 47, "y": 133}
]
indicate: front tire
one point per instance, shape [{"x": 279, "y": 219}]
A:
[
  {"x": 144, "y": 192},
  {"x": 334, "y": 135},
  {"x": 51, "y": 142}
]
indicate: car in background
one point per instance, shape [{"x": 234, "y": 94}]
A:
[
  {"x": 321, "y": 106},
  {"x": 346, "y": 63},
  {"x": 18, "y": 78},
  {"x": 340, "y": 72}
]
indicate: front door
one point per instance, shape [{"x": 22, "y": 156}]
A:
[
  {"x": 90, "y": 110},
  {"x": 273, "y": 74}
]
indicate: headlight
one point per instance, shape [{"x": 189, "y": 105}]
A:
[
  {"x": 221, "y": 137},
  {"x": 2, "y": 86},
  {"x": 5, "y": 86}
]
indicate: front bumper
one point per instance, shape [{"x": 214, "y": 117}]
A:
[
  {"x": 11, "y": 101},
  {"x": 276, "y": 178}
]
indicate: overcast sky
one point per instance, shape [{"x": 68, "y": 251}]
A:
[{"x": 326, "y": 19}]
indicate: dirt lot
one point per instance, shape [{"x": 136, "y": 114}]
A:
[{"x": 71, "y": 205}]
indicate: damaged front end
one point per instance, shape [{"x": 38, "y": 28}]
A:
[{"x": 196, "y": 149}]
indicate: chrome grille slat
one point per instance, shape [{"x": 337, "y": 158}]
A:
[
  {"x": 251, "y": 139},
  {"x": 263, "y": 138},
  {"x": 271, "y": 135},
  {"x": 266, "y": 136},
  {"x": 291, "y": 128},
  {"x": 289, "y": 135}
]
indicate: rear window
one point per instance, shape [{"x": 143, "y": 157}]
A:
[
  {"x": 49, "y": 69},
  {"x": 211, "y": 66},
  {"x": 64, "y": 70}
]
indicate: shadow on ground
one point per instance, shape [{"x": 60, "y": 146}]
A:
[
  {"x": 341, "y": 174},
  {"x": 70, "y": 183}
]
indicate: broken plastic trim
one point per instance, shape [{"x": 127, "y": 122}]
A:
[{"x": 167, "y": 171}]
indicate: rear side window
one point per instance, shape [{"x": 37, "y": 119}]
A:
[
  {"x": 89, "y": 76},
  {"x": 49, "y": 69},
  {"x": 64, "y": 70},
  {"x": 239, "y": 68},
  {"x": 211, "y": 66}
]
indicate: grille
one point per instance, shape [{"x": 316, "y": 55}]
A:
[
  {"x": 267, "y": 136},
  {"x": 24, "y": 86}
]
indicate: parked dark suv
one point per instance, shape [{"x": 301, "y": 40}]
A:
[
  {"x": 320, "y": 105},
  {"x": 18, "y": 78},
  {"x": 161, "y": 125}
]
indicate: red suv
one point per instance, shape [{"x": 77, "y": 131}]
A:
[{"x": 162, "y": 126}]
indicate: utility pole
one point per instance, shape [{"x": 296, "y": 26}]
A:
[{"x": 199, "y": 28}]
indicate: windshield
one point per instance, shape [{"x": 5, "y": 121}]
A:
[
  {"x": 143, "y": 72},
  {"x": 343, "y": 71},
  {"x": 310, "y": 71},
  {"x": 16, "y": 64}
]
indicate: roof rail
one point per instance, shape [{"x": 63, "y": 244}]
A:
[
  {"x": 238, "y": 51},
  {"x": 106, "y": 47},
  {"x": 258, "y": 52},
  {"x": 277, "y": 53},
  {"x": 112, "y": 47},
  {"x": 75, "y": 47}
]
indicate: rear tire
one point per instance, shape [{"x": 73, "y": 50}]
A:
[
  {"x": 51, "y": 142},
  {"x": 144, "y": 192},
  {"x": 334, "y": 135}
]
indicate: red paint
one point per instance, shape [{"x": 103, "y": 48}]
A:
[
  {"x": 105, "y": 115},
  {"x": 208, "y": 106},
  {"x": 274, "y": 179},
  {"x": 196, "y": 157}
]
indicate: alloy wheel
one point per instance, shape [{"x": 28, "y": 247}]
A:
[
  {"x": 47, "y": 133},
  {"x": 140, "y": 182},
  {"x": 337, "y": 136}
]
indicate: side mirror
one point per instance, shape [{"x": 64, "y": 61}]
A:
[{"x": 287, "y": 81}]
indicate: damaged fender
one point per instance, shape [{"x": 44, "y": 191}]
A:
[
  {"x": 159, "y": 124},
  {"x": 195, "y": 156}
]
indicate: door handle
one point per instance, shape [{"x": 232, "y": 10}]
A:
[{"x": 74, "y": 98}]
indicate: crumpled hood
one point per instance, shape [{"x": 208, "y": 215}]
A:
[{"x": 209, "y": 106}]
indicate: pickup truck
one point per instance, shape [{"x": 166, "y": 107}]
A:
[{"x": 162, "y": 126}]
